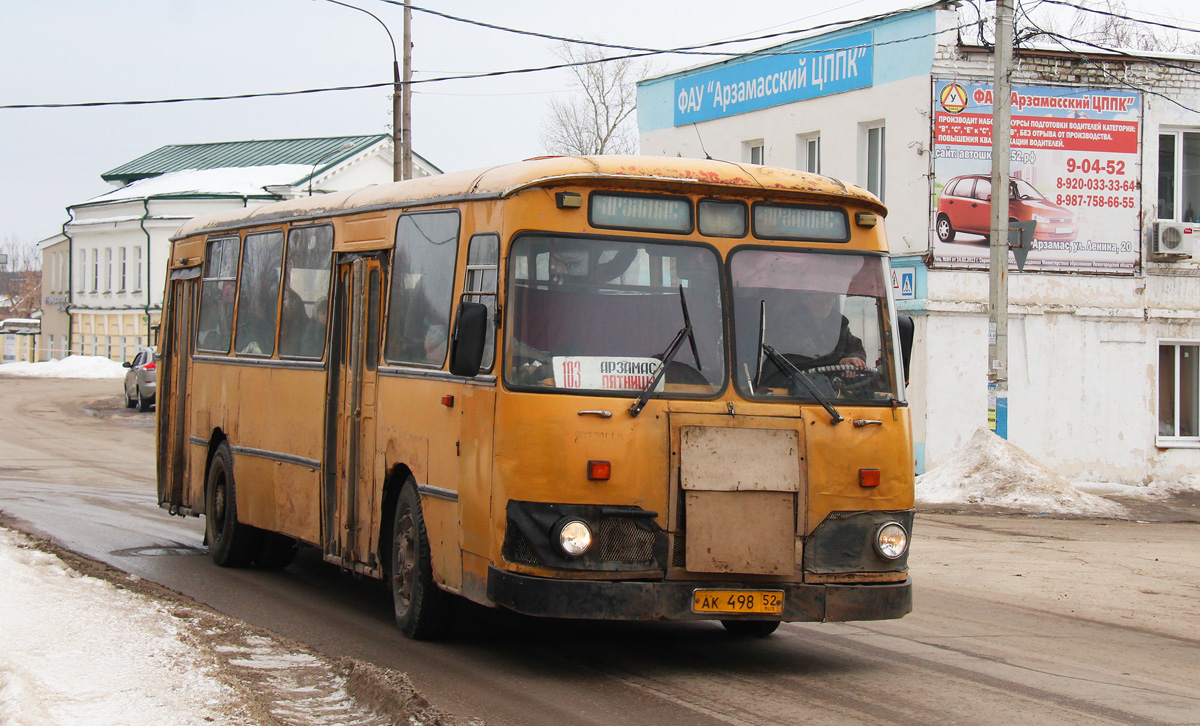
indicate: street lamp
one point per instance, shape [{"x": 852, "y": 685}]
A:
[
  {"x": 345, "y": 145},
  {"x": 401, "y": 154}
]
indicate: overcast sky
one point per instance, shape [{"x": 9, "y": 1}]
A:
[{"x": 66, "y": 51}]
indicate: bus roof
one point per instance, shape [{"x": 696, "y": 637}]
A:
[{"x": 504, "y": 180}]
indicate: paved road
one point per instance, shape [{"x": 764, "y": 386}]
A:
[{"x": 1017, "y": 619}]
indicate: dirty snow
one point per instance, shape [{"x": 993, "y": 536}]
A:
[
  {"x": 991, "y": 471},
  {"x": 77, "y": 650},
  {"x": 73, "y": 366}
]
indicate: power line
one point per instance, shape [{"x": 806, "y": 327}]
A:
[
  {"x": 682, "y": 50},
  {"x": 467, "y": 76},
  {"x": 1108, "y": 13}
]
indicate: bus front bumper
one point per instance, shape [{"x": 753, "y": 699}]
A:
[{"x": 672, "y": 600}]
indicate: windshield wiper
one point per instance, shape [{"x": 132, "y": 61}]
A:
[
  {"x": 785, "y": 365},
  {"x": 668, "y": 355}
]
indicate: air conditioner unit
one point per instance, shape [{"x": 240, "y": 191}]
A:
[{"x": 1175, "y": 240}]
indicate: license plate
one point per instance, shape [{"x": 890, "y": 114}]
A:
[{"x": 765, "y": 602}]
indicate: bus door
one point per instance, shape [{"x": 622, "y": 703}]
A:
[
  {"x": 174, "y": 354},
  {"x": 350, "y": 487}
]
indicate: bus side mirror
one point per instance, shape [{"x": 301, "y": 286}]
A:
[
  {"x": 905, "y": 323},
  {"x": 470, "y": 337}
]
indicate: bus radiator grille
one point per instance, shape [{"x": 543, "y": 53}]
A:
[{"x": 621, "y": 540}]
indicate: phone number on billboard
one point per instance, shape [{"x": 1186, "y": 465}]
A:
[
  {"x": 1095, "y": 200},
  {"x": 1096, "y": 185}
]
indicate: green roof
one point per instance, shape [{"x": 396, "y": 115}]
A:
[{"x": 235, "y": 154}]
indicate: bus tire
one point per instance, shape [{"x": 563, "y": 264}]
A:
[
  {"x": 230, "y": 543},
  {"x": 423, "y": 612},
  {"x": 750, "y": 628}
]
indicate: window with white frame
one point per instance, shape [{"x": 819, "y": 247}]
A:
[
  {"x": 1179, "y": 392},
  {"x": 808, "y": 153},
  {"x": 81, "y": 280},
  {"x": 754, "y": 152},
  {"x": 1179, "y": 175},
  {"x": 95, "y": 269},
  {"x": 874, "y": 155},
  {"x": 108, "y": 269},
  {"x": 122, "y": 269},
  {"x": 137, "y": 269}
]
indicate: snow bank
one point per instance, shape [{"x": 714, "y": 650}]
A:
[
  {"x": 77, "y": 650},
  {"x": 990, "y": 470},
  {"x": 73, "y": 366}
]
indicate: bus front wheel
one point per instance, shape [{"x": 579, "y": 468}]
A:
[
  {"x": 230, "y": 543},
  {"x": 423, "y": 612}
]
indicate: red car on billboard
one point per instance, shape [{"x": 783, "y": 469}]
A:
[{"x": 966, "y": 206}]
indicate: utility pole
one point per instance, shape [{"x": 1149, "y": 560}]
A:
[
  {"x": 998, "y": 270},
  {"x": 405, "y": 119}
]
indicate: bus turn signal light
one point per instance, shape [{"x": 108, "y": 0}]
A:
[
  {"x": 868, "y": 477},
  {"x": 599, "y": 470}
]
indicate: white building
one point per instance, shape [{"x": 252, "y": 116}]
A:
[
  {"x": 118, "y": 241},
  {"x": 1104, "y": 323}
]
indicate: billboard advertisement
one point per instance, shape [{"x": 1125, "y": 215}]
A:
[{"x": 1074, "y": 170}]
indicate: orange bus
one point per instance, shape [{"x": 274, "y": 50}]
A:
[{"x": 580, "y": 387}]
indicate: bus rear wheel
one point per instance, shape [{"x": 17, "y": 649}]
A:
[
  {"x": 423, "y": 612},
  {"x": 230, "y": 543},
  {"x": 750, "y": 628}
]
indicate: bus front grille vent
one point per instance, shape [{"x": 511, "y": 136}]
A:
[
  {"x": 621, "y": 540},
  {"x": 517, "y": 548},
  {"x": 679, "y": 551}
]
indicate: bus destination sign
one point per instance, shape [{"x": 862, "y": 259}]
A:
[
  {"x": 644, "y": 212},
  {"x": 800, "y": 222}
]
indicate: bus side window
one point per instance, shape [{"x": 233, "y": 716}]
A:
[
  {"x": 306, "y": 273},
  {"x": 258, "y": 293},
  {"x": 216, "y": 296},
  {"x": 482, "y": 264},
  {"x": 422, "y": 294}
]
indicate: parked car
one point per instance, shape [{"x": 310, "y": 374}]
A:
[
  {"x": 966, "y": 206},
  {"x": 139, "y": 380}
]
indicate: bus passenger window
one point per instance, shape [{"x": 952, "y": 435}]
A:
[
  {"x": 306, "y": 292},
  {"x": 216, "y": 296},
  {"x": 482, "y": 257},
  {"x": 258, "y": 293},
  {"x": 422, "y": 294}
]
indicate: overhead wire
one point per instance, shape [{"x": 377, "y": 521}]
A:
[{"x": 468, "y": 76}]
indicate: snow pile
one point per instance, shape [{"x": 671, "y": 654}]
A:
[
  {"x": 1164, "y": 489},
  {"x": 990, "y": 470},
  {"x": 77, "y": 650},
  {"x": 73, "y": 366}
]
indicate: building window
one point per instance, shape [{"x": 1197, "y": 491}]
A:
[
  {"x": 95, "y": 270},
  {"x": 1179, "y": 175},
  {"x": 108, "y": 269},
  {"x": 81, "y": 281},
  {"x": 137, "y": 269},
  {"x": 754, "y": 152},
  {"x": 122, "y": 270},
  {"x": 875, "y": 156},
  {"x": 808, "y": 153},
  {"x": 1179, "y": 392}
]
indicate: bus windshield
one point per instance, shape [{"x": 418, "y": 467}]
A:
[
  {"x": 598, "y": 314},
  {"x": 826, "y": 314}
]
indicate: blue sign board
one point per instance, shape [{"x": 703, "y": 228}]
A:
[{"x": 777, "y": 77}]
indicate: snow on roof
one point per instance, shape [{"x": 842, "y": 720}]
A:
[
  {"x": 73, "y": 366},
  {"x": 990, "y": 470},
  {"x": 248, "y": 180}
]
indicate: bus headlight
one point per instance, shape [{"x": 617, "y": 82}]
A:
[
  {"x": 574, "y": 537},
  {"x": 891, "y": 541}
]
